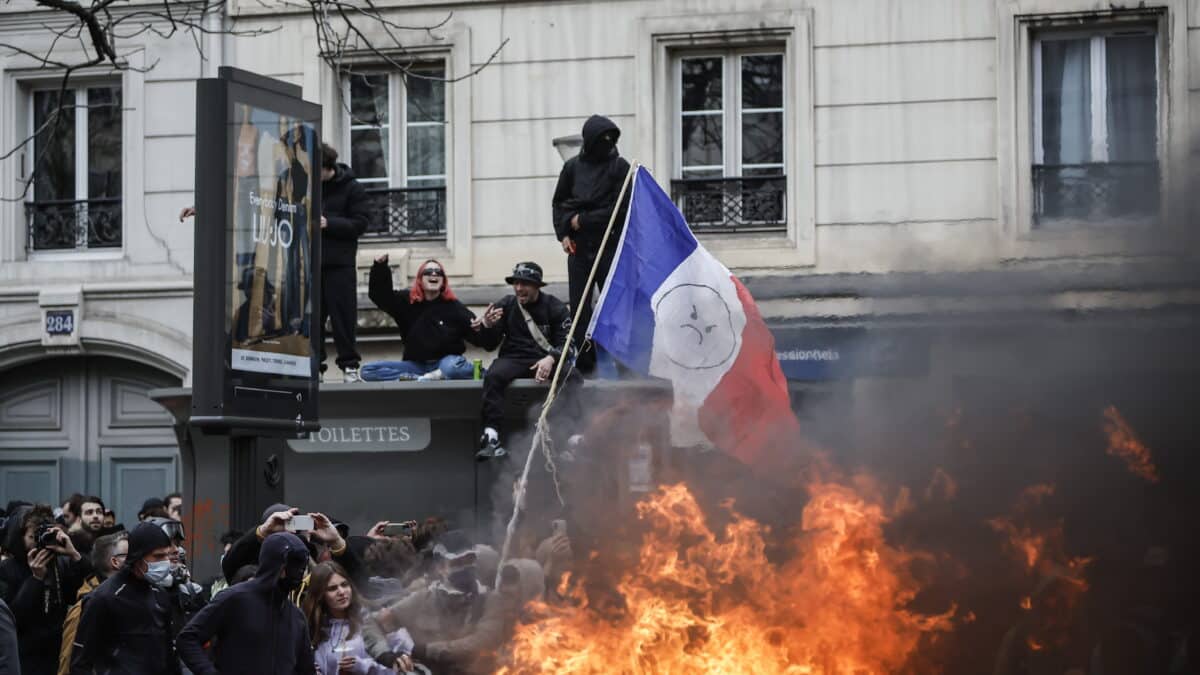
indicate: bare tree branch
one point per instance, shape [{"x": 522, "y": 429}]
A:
[{"x": 344, "y": 29}]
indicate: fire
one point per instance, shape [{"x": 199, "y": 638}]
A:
[
  {"x": 1123, "y": 443},
  {"x": 698, "y": 601},
  {"x": 1030, "y": 544}
]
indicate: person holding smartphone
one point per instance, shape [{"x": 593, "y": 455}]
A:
[
  {"x": 321, "y": 541},
  {"x": 39, "y": 583}
]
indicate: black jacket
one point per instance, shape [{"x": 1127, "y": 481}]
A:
[
  {"x": 248, "y": 550},
  {"x": 589, "y": 186},
  {"x": 9, "y": 665},
  {"x": 347, "y": 211},
  {"x": 125, "y": 628},
  {"x": 38, "y": 606},
  {"x": 430, "y": 330},
  {"x": 512, "y": 335},
  {"x": 257, "y": 629}
]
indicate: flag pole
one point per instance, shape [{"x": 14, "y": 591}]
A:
[{"x": 539, "y": 432}]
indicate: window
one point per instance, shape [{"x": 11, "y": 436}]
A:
[
  {"x": 76, "y": 160},
  {"x": 1095, "y": 127},
  {"x": 730, "y": 141},
  {"x": 398, "y": 149}
]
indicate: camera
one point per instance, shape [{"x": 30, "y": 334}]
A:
[{"x": 45, "y": 536}]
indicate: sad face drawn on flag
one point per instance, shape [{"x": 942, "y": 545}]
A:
[{"x": 695, "y": 327}]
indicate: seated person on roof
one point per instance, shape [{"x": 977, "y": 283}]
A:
[{"x": 432, "y": 322}]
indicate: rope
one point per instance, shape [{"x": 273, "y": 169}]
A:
[{"x": 541, "y": 433}]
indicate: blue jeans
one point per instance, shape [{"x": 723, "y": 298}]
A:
[{"x": 453, "y": 367}]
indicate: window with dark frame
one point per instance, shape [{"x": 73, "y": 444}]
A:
[
  {"x": 1095, "y": 127},
  {"x": 398, "y": 149},
  {"x": 75, "y": 200},
  {"x": 730, "y": 172}
]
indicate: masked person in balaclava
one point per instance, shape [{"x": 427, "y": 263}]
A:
[
  {"x": 456, "y": 623},
  {"x": 257, "y": 628},
  {"x": 125, "y": 627},
  {"x": 584, "y": 199}
]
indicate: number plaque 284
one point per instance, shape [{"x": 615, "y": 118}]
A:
[{"x": 60, "y": 322}]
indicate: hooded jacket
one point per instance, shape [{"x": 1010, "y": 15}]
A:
[
  {"x": 431, "y": 329},
  {"x": 347, "y": 212},
  {"x": 258, "y": 631},
  {"x": 39, "y": 606},
  {"x": 126, "y": 622},
  {"x": 246, "y": 551},
  {"x": 589, "y": 185}
]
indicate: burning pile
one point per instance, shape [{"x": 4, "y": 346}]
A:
[{"x": 698, "y": 601}]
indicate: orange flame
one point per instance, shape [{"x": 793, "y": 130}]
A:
[
  {"x": 1027, "y": 602},
  {"x": 1123, "y": 443},
  {"x": 696, "y": 601}
]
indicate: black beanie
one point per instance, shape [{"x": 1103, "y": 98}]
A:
[{"x": 145, "y": 538}]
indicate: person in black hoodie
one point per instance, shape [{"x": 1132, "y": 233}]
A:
[
  {"x": 434, "y": 324},
  {"x": 346, "y": 211},
  {"x": 587, "y": 191},
  {"x": 256, "y": 627},
  {"x": 523, "y": 352},
  {"x": 246, "y": 550},
  {"x": 39, "y": 583},
  {"x": 126, "y": 622}
]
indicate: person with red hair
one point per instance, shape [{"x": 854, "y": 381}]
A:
[{"x": 435, "y": 326}]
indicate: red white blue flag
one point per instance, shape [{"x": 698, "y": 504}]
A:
[{"x": 670, "y": 309}]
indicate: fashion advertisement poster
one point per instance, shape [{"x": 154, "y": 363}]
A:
[{"x": 269, "y": 300}]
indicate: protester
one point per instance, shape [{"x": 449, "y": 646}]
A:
[
  {"x": 174, "y": 504},
  {"x": 88, "y": 523},
  {"x": 153, "y": 508},
  {"x": 338, "y": 628},
  {"x": 587, "y": 191},
  {"x": 70, "y": 511},
  {"x": 125, "y": 627},
  {"x": 184, "y": 596},
  {"x": 455, "y": 623},
  {"x": 110, "y": 520},
  {"x": 324, "y": 541},
  {"x": 9, "y": 663},
  {"x": 108, "y": 556},
  {"x": 346, "y": 209},
  {"x": 531, "y": 328},
  {"x": 39, "y": 582},
  {"x": 435, "y": 326},
  {"x": 253, "y": 625}
]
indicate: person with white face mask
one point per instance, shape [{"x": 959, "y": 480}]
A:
[{"x": 126, "y": 623}]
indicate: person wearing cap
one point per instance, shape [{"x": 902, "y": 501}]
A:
[
  {"x": 532, "y": 330},
  {"x": 125, "y": 626},
  {"x": 152, "y": 508},
  {"x": 325, "y": 538},
  {"x": 256, "y": 627}
]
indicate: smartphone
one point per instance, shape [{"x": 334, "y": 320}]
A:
[
  {"x": 397, "y": 530},
  {"x": 300, "y": 523},
  {"x": 558, "y": 527}
]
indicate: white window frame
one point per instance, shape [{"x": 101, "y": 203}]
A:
[
  {"x": 1098, "y": 60},
  {"x": 80, "y": 89},
  {"x": 1018, "y": 22},
  {"x": 660, "y": 40},
  {"x": 731, "y": 116},
  {"x": 398, "y": 126}
]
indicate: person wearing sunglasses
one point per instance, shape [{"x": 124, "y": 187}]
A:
[{"x": 435, "y": 326}]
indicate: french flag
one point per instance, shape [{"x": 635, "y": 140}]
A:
[{"x": 670, "y": 309}]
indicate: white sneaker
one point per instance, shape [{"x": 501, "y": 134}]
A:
[
  {"x": 432, "y": 376},
  {"x": 351, "y": 375}
]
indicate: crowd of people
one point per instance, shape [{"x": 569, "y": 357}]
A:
[{"x": 297, "y": 594}]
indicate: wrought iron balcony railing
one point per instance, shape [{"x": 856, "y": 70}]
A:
[
  {"x": 409, "y": 214},
  {"x": 87, "y": 224},
  {"x": 1098, "y": 193},
  {"x": 732, "y": 204}
]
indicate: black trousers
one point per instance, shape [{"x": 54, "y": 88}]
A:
[
  {"x": 578, "y": 268},
  {"x": 339, "y": 303},
  {"x": 499, "y": 375}
]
